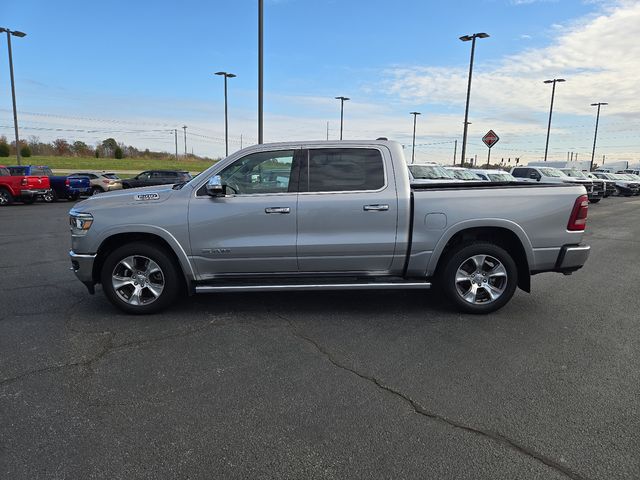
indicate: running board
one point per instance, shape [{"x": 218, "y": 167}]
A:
[{"x": 313, "y": 286}]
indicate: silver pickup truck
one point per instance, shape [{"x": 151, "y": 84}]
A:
[{"x": 325, "y": 215}]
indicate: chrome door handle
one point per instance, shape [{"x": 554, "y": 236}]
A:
[
  {"x": 277, "y": 210},
  {"x": 375, "y": 208}
]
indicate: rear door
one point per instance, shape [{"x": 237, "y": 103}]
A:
[{"x": 347, "y": 210}]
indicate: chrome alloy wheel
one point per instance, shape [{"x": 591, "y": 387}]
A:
[
  {"x": 481, "y": 279},
  {"x": 138, "y": 280},
  {"x": 4, "y": 197}
]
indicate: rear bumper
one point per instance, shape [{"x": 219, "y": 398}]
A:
[
  {"x": 82, "y": 266},
  {"x": 34, "y": 191},
  {"x": 572, "y": 257}
]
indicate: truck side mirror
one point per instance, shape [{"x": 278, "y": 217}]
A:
[{"x": 214, "y": 187}]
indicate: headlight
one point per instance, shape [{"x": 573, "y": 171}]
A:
[{"x": 80, "y": 223}]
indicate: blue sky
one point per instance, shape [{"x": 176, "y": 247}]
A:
[{"x": 135, "y": 70}]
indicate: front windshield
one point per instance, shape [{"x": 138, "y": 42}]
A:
[
  {"x": 501, "y": 177},
  {"x": 552, "y": 172},
  {"x": 429, "y": 172},
  {"x": 574, "y": 173}
]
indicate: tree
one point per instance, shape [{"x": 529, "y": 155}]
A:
[
  {"x": 81, "y": 149},
  {"x": 25, "y": 151},
  {"x": 4, "y": 149},
  {"x": 109, "y": 147},
  {"x": 60, "y": 146},
  {"x": 117, "y": 153}
]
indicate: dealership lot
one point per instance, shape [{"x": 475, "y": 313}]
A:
[{"x": 319, "y": 385}]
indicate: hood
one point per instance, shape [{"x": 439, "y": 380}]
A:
[{"x": 130, "y": 197}]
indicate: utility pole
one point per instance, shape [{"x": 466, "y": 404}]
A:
[
  {"x": 260, "y": 67},
  {"x": 413, "y": 147},
  {"x": 455, "y": 149},
  {"x": 595, "y": 135},
  {"x": 342, "y": 100},
  {"x": 553, "y": 92},
  {"x": 466, "y": 38},
  {"x": 602, "y": 159},
  {"x": 571, "y": 157},
  {"x": 185, "y": 140},
  {"x": 240, "y": 141},
  {"x": 13, "y": 86},
  {"x": 175, "y": 135},
  {"x": 327, "y": 130}
]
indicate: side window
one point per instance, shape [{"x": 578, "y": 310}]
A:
[
  {"x": 144, "y": 176},
  {"x": 342, "y": 169},
  {"x": 158, "y": 174},
  {"x": 521, "y": 172},
  {"x": 263, "y": 172},
  {"x": 38, "y": 172}
]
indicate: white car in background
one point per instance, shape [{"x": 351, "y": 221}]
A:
[
  {"x": 101, "y": 181},
  {"x": 463, "y": 174},
  {"x": 494, "y": 175},
  {"x": 430, "y": 173}
]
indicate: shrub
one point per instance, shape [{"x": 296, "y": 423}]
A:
[
  {"x": 117, "y": 153},
  {"x": 25, "y": 151},
  {"x": 4, "y": 150}
]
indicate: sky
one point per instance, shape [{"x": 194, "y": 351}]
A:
[{"x": 137, "y": 70}]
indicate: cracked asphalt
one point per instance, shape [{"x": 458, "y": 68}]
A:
[{"x": 319, "y": 385}]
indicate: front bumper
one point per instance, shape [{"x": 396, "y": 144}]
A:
[
  {"x": 82, "y": 266},
  {"x": 572, "y": 258}
]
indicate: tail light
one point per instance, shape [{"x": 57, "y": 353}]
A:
[
  {"x": 106, "y": 182},
  {"x": 67, "y": 182},
  {"x": 24, "y": 181},
  {"x": 578, "y": 218}
]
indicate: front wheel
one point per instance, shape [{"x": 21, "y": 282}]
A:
[
  {"x": 479, "y": 277},
  {"x": 50, "y": 197},
  {"x": 140, "y": 278}
]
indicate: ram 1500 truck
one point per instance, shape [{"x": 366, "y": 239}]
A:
[
  {"x": 23, "y": 188},
  {"x": 325, "y": 215}
]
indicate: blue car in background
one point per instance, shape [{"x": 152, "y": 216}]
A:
[{"x": 61, "y": 186}]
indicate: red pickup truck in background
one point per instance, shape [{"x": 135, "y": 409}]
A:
[{"x": 22, "y": 188}]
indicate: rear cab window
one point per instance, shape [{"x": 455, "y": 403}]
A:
[{"x": 342, "y": 170}]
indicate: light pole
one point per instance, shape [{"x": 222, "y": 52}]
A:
[
  {"x": 185, "y": 140},
  {"x": 413, "y": 148},
  {"x": 226, "y": 119},
  {"x": 342, "y": 100},
  {"x": 553, "y": 93},
  {"x": 260, "y": 68},
  {"x": 595, "y": 135},
  {"x": 18, "y": 34},
  {"x": 466, "y": 38}
]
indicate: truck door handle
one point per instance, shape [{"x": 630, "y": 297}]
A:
[
  {"x": 277, "y": 210},
  {"x": 375, "y": 208}
]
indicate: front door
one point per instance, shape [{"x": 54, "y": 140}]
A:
[
  {"x": 347, "y": 211},
  {"x": 253, "y": 229}
]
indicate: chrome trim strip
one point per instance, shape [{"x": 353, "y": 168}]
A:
[{"x": 302, "y": 287}]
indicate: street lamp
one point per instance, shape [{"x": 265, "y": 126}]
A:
[
  {"x": 226, "y": 119},
  {"x": 342, "y": 100},
  {"x": 553, "y": 92},
  {"x": 595, "y": 135},
  {"x": 18, "y": 34},
  {"x": 413, "y": 148},
  {"x": 466, "y": 38},
  {"x": 260, "y": 70}
]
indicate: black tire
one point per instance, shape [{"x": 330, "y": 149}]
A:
[
  {"x": 5, "y": 197},
  {"x": 170, "y": 274},
  {"x": 95, "y": 190},
  {"x": 73, "y": 197},
  {"x": 50, "y": 197},
  {"x": 595, "y": 200},
  {"x": 125, "y": 185},
  {"x": 460, "y": 257},
  {"x": 29, "y": 200}
]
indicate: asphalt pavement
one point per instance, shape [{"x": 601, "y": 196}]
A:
[{"x": 319, "y": 385}]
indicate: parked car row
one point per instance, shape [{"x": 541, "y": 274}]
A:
[
  {"x": 599, "y": 184},
  {"x": 27, "y": 183}
]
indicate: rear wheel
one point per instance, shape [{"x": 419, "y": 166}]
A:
[
  {"x": 479, "y": 277},
  {"x": 5, "y": 197},
  {"x": 96, "y": 190},
  {"x": 595, "y": 200},
  {"x": 73, "y": 197},
  {"x": 50, "y": 197},
  {"x": 140, "y": 278}
]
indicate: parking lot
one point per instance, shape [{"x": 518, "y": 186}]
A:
[{"x": 319, "y": 385}]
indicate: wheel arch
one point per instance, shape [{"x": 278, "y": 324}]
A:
[
  {"x": 506, "y": 235},
  {"x": 170, "y": 244}
]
